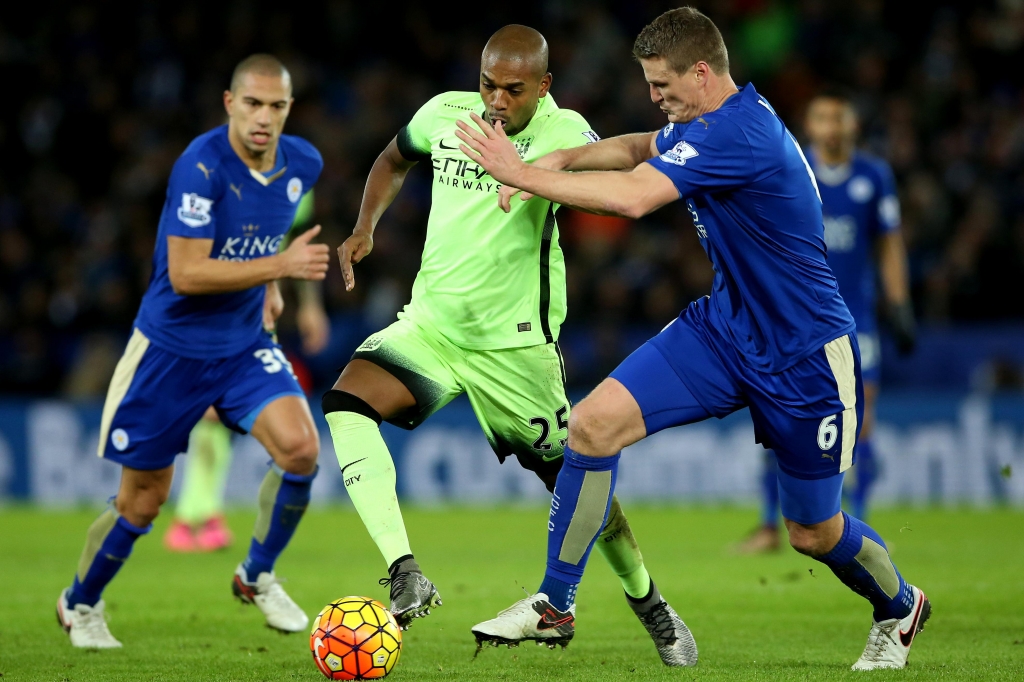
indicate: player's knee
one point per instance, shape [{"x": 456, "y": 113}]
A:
[
  {"x": 807, "y": 539},
  {"x": 592, "y": 433},
  {"x": 299, "y": 449},
  {"x": 142, "y": 508}
]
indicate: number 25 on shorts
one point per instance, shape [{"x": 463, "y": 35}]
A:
[{"x": 561, "y": 424}]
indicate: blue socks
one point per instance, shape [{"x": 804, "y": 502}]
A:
[
  {"x": 770, "y": 491},
  {"x": 861, "y": 561},
  {"x": 108, "y": 545},
  {"x": 579, "y": 510},
  {"x": 561, "y": 594},
  {"x": 866, "y": 473},
  {"x": 283, "y": 499}
]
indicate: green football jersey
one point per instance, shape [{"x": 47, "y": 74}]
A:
[{"x": 488, "y": 280}]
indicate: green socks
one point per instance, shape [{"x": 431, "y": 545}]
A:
[
  {"x": 206, "y": 472},
  {"x": 618, "y": 546},
  {"x": 369, "y": 474}
]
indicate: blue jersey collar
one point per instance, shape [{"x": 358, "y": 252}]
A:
[{"x": 280, "y": 163}]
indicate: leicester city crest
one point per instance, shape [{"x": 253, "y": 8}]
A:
[{"x": 294, "y": 190}]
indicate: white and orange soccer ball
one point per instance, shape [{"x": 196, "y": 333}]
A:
[{"x": 355, "y": 638}]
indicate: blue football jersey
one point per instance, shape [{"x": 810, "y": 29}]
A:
[
  {"x": 756, "y": 208},
  {"x": 212, "y": 194},
  {"x": 859, "y": 203}
]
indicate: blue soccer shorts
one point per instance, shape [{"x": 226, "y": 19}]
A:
[
  {"x": 156, "y": 397},
  {"x": 809, "y": 414}
]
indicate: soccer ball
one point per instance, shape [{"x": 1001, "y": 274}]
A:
[{"x": 355, "y": 638}]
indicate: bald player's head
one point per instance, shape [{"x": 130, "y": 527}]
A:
[
  {"x": 514, "y": 75},
  {"x": 257, "y": 106},
  {"x": 260, "y": 64},
  {"x": 518, "y": 43}
]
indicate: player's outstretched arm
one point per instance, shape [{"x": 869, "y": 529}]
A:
[
  {"x": 382, "y": 186},
  {"x": 631, "y": 194},
  {"x": 193, "y": 273},
  {"x": 624, "y": 152}
]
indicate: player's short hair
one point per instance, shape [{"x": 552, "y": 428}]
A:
[
  {"x": 262, "y": 64},
  {"x": 683, "y": 37},
  {"x": 838, "y": 93}
]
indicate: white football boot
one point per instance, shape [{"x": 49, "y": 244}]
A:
[
  {"x": 889, "y": 640},
  {"x": 530, "y": 619},
  {"x": 85, "y": 625},
  {"x": 267, "y": 594}
]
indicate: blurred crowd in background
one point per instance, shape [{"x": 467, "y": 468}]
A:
[{"x": 104, "y": 96}]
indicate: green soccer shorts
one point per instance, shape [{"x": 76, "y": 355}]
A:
[{"x": 518, "y": 394}]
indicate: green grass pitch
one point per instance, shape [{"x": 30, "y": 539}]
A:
[{"x": 755, "y": 618}]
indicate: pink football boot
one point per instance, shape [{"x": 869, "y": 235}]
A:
[
  {"x": 179, "y": 538},
  {"x": 213, "y": 535}
]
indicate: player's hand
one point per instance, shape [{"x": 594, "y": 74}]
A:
[
  {"x": 356, "y": 248},
  {"x": 506, "y": 193},
  {"x": 904, "y": 328},
  {"x": 314, "y": 328},
  {"x": 551, "y": 161},
  {"x": 273, "y": 306},
  {"x": 491, "y": 149},
  {"x": 303, "y": 260}
]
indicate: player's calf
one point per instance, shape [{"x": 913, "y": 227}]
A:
[
  {"x": 283, "y": 499},
  {"x": 80, "y": 610},
  {"x": 860, "y": 559}
]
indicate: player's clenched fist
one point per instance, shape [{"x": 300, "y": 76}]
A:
[
  {"x": 356, "y": 248},
  {"x": 303, "y": 260}
]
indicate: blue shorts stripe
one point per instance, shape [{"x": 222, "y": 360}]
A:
[{"x": 248, "y": 420}]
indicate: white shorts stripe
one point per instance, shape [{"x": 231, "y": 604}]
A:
[
  {"x": 840, "y": 359},
  {"x": 120, "y": 383}
]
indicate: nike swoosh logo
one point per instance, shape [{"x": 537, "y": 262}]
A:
[
  {"x": 350, "y": 464},
  {"x": 442, "y": 145},
  {"x": 906, "y": 638},
  {"x": 550, "y": 620}
]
